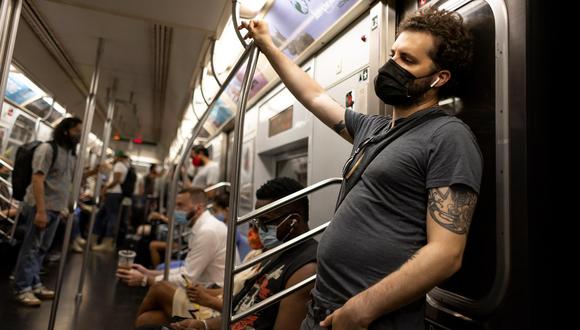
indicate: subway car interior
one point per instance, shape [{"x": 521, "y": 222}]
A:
[{"x": 175, "y": 94}]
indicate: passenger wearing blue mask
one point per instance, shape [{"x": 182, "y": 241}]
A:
[
  {"x": 220, "y": 210},
  {"x": 276, "y": 274},
  {"x": 205, "y": 260}
]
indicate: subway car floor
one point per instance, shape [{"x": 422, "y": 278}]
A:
[{"x": 107, "y": 303}]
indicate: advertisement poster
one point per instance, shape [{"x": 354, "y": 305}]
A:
[{"x": 295, "y": 24}]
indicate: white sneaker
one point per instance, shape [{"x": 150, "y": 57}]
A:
[
  {"x": 28, "y": 299},
  {"x": 43, "y": 293},
  {"x": 81, "y": 241},
  {"x": 76, "y": 247}
]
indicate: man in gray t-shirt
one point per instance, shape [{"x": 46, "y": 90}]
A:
[
  {"x": 401, "y": 224},
  {"x": 46, "y": 198}
]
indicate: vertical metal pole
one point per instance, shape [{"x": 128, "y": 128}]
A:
[
  {"x": 162, "y": 193},
  {"x": 171, "y": 206},
  {"x": 10, "y": 17},
  {"x": 78, "y": 175},
  {"x": 97, "y": 192},
  {"x": 185, "y": 151},
  {"x": 235, "y": 188}
]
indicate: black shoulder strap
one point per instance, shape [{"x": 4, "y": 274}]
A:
[
  {"x": 383, "y": 139},
  {"x": 54, "y": 152}
]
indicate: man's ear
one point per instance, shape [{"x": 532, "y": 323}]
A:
[{"x": 442, "y": 78}]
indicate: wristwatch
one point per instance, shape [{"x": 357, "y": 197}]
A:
[{"x": 144, "y": 281}]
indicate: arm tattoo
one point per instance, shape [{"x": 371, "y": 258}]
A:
[
  {"x": 452, "y": 207},
  {"x": 339, "y": 127}
]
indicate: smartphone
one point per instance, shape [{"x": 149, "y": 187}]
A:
[{"x": 187, "y": 281}]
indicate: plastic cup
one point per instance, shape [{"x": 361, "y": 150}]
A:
[{"x": 126, "y": 258}]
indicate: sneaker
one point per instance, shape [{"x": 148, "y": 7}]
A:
[
  {"x": 76, "y": 247},
  {"x": 28, "y": 299},
  {"x": 81, "y": 241},
  {"x": 43, "y": 293}
]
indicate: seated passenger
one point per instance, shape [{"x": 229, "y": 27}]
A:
[
  {"x": 207, "y": 246},
  {"x": 220, "y": 209},
  {"x": 267, "y": 279}
]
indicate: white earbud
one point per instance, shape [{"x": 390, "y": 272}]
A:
[{"x": 435, "y": 82}]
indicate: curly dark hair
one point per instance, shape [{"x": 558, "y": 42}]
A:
[
  {"x": 282, "y": 187},
  {"x": 453, "y": 43}
]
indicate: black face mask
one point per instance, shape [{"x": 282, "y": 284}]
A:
[
  {"x": 74, "y": 139},
  {"x": 397, "y": 86}
]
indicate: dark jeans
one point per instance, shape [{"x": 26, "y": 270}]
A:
[
  {"x": 108, "y": 215},
  {"x": 316, "y": 313},
  {"x": 33, "y": 250}
]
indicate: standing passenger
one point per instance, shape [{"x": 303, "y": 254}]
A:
[
  {"x": 45, "y": 203},
  {"x": 109, "y": 212},
  {"x": 208, "y": 171},
  {"x": 401, "y": 223}
]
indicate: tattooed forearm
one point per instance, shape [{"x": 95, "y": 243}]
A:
[
  {"x": 339, "y": 127},
  {"x": 452, "y": 207}
]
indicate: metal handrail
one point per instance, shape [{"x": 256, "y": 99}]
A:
[
  {"x": 5, "y": 164},
  {"x": 9, "y": 219},
  {"x": 274, "y": 298},
  {"x": 3, "y": 233},
  {"x": 9, "y": 201},
  {"x": 279, "y": 249},
  {"x": 111, "y": 92},
  {"x": 6, "y": 182},
  {"x": 217, "y": 185},
  {"x": 185, "y": 154},
  {"x": 235, "y": 179},
  {"x": 211, "y": 52},
  {"x": 201, "y": 89},
  {"x": 87, "y": 124},
  {"x": 235, "y": 15},
  {"x": 282, "y": 247},
  {"x": 289, "y": 199}
]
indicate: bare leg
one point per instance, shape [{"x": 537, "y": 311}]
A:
[
  {"x": 157, "y": 305},
  {"x": 155, "y": 247}
]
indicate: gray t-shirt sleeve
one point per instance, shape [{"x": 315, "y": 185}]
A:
[
  {"x": 42, "y": 159},
  {"x": 360, "y": 126},
  {"x": 454, "y": 157}
]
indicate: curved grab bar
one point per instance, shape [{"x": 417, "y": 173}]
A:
[
  {"x": 211, "y": 52},
  {"x": 217, "y": 185},
  {"x": 185, "y": 154},
  {"x": 235, "y": 15},
  {"x": 201, "y": 87},
  {"x": 282, "y": 247},
  {"x": 274, "y": 299},
  {"x": 288, "y": 199},
  {"x": 5, "y": 164}
]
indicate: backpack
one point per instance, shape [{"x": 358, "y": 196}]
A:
[
  {"x": 22, "y": 173},
  {"x": 128, "y": 185}
]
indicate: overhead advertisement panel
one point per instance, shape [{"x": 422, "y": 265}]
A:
[
  {"x": 295, "y": 24},
  {"x": 21, "y": 90}
]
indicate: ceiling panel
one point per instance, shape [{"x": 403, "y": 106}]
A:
[{"x": 127, "y": 28}]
